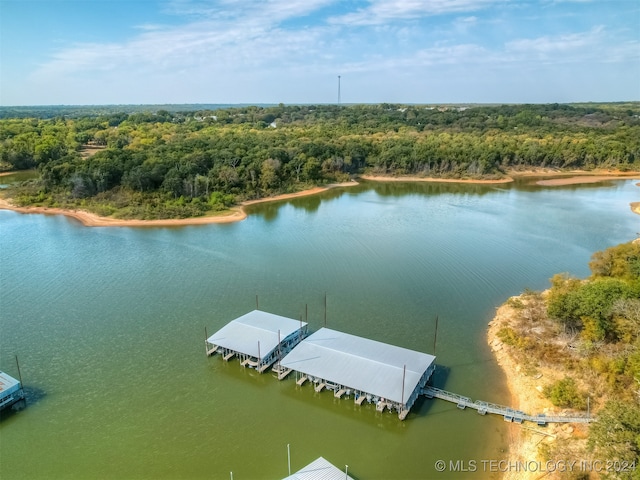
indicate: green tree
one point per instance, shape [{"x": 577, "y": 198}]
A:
[
  {"x": 563, "y": 303},
  {"x": 595, "y": 302},
  {"x": 565, "y": 393},
  {"x": 621, "y": 261},
  {"x": 269, "y": 173},
  {"x": 616, "y": 436}
]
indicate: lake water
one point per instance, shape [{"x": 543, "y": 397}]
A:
[{"x": 108, "y": 324}]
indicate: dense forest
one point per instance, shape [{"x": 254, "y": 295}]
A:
[
  {"x": 132, "y": 162},
  {"x": 588, "y": 330}
]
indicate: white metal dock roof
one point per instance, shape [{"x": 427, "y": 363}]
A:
[
  {"x": 319, "y": 469},
  {"x": 8, "y": 384},
  {"x": 243, "y": 334},
  {"x": 359, "y": 363}
]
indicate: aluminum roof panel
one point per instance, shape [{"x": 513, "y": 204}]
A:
[
  {"x": 319, "y": 469},
  {"x": 359, "y": 363},
  {"x": 243, "y": 334},
  {"x": 8, "y": 384}
]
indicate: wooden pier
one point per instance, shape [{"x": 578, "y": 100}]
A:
[{"x": 509, "y": 414}]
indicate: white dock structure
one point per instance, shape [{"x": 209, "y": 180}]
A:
[
  {"x": 258, "y": 339},
  {"x": 320, "y": 469},
  {"x": 389, "y": 376},
  {"x": 10, "y": 391}
]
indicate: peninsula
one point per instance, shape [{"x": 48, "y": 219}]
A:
[
  {"x": 237, "y": 213},
  {"x": 205, "y": 165},
  {"x": 576, "y": 346}
]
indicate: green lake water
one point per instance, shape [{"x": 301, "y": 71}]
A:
[{"x": 108, "y": 324}]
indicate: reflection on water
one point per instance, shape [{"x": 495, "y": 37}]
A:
[{"x": 109, "y": 322}]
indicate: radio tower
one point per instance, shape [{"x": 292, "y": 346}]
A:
[{"x": 338, "y": 89}]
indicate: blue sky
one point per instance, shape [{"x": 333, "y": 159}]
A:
[{"x": 79, "y": 52}]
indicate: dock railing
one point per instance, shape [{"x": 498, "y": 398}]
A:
[{"x": 509, "y": 414}]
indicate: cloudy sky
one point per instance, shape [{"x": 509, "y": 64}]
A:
[{"x": 292, "y": 51}]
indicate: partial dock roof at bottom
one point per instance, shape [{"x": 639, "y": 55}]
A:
[
  {"x": 393, "y": 374},
  {"x": 319, "y": 469}
]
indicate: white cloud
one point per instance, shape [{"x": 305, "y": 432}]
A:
[
  {"x": 265, "y": 10},
  {"x": 149, "y": 27},
  {"x": 246, "y": 38},
  {"x": 591, "y": 46},
  {"x": 383, "y": 11},
  {"x": 274, "y": 49}
]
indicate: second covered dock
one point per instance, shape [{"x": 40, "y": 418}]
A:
[{"x": 389, "y": 376}]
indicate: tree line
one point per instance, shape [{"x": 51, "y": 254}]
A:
[{"x": 182, "y": 163}]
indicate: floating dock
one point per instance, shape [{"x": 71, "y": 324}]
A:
[
  {"x": 258, "y": 339},
  {"x": 11, "y": 391},
  {"x": 389, "y": 376}
]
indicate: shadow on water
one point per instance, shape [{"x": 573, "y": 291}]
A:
[
  {"x": 439, "y": 376},
  {"x": 233, "y": 369},
  {"x": 424, "y": 405}
]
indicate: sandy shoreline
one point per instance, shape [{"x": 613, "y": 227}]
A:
[
  {"x": 383, "y": 178},
  {"x": 578, "y": 179},
  {"x": 526, "y": 440},
  {"x": 89, "y": 219},
  {"x": 237, "y": 213},
  {"x": 564, "y": 178}
]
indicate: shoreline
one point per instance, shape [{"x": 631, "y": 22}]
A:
[
  {"x": 237, "y": 213},
  {"x": 410, "y": 178},
  {"x": 581, "y": 179},
  {"x": 573, "y": 177},
  {"x": 526, "y": 392}
]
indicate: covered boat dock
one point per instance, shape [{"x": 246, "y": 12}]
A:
[
  {"x": 389, "y": 376},
  {"x": 10, "y": 391},
  {"x": 258, "y": 339}
]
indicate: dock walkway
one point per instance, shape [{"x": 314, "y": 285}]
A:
[{"x": 509, "y": 414}]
